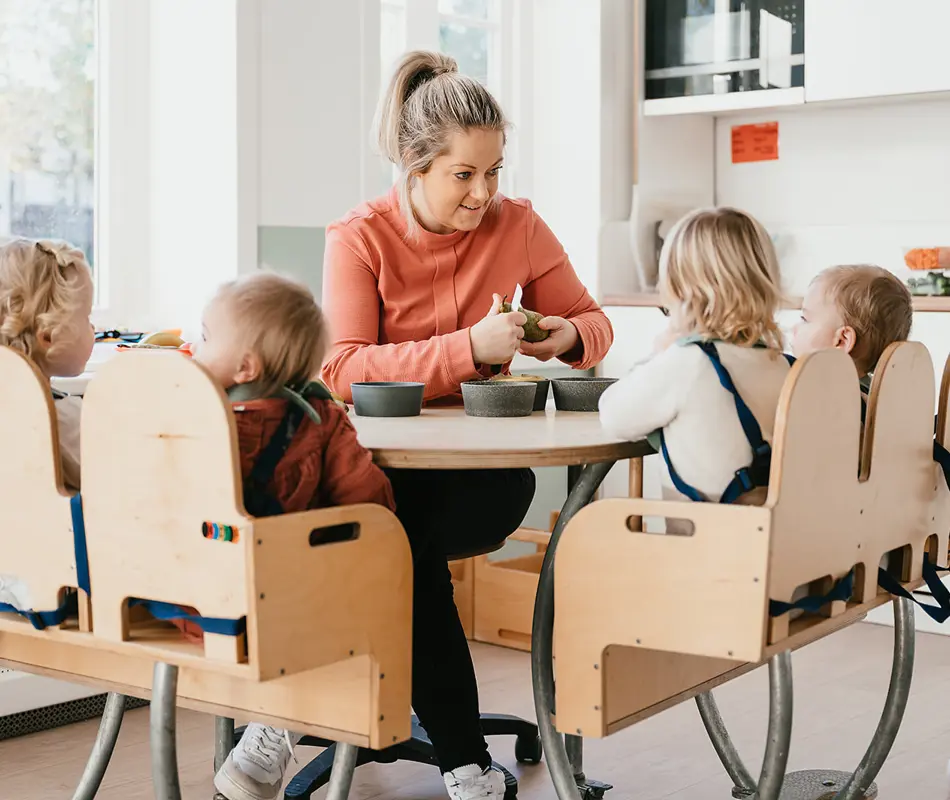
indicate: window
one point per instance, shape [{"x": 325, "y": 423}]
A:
[
  {"x": 470, "y": 32},
  {"x": 47, "y": 108},
  {"x": 478, "y": 34}
]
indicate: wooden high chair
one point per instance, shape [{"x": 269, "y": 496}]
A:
[
  {"x": 160, "y": 478},
  {"x": 674, "y": 616}
]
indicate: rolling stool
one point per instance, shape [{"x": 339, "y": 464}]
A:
[{"x": 418, "y": 748}]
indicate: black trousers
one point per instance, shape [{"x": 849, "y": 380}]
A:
[{"x": 446, "y": 513}]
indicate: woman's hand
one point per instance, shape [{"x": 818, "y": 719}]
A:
[
  {"x": 495, "y": 338},
  {"x": 563, "y": 337}
]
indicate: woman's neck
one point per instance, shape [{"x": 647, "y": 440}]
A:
[{"x": 417, "y": 207}]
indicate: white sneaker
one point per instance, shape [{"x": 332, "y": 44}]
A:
[
  {"x": 474, "y": 783},
  {"x": 254, "y": 769}
]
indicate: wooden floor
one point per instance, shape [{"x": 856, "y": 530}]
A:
[{"x": 840, "y": 686}]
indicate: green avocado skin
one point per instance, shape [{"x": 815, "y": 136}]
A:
[{"x": 532, "y": 333}]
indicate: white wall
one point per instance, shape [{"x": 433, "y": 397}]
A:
[
  {"x": 194, "y": 178},
  {"x": 319, "y": 80},
  {"x": 853, "y": 184}
]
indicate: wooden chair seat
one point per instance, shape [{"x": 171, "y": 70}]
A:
[
  {"x": 674, "y": 615},
  {"x": 160, "y": 468}
]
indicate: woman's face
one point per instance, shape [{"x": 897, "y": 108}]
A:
[{"x": 454, "y": 193}]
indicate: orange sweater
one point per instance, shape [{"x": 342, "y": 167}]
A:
[{"x": 401, "y": 310}]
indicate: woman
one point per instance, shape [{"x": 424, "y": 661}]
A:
[{"x": 412, "y": 287}]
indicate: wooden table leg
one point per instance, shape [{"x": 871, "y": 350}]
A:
[{"x": 635, "y": 489}]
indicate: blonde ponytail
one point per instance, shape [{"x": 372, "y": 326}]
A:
[{"x": 426, "y": 102}]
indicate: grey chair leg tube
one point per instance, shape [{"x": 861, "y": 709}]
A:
[
  {"x": 103, "y": 748},
  {"x": 725, "y": 749},
  {"x": 162, "y": 729},
  {"x": 542, "y": 637},
  {"x": 223, "y": 740},
  {"x": 341, "y": 775},
  {"x": 902, "y": 670},
  {"x": 780, "y": 727}
]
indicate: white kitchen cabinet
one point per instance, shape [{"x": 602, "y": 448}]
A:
[{"x": 875, "y": 48}]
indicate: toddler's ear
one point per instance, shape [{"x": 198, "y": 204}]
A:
[
  {"x": 249, "y": 369},
  {"x": 846, "y": 339}
]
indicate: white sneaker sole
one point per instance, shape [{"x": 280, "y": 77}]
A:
[{"x": 231, "y": 790}]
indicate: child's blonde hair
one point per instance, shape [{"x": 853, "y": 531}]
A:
[
  {"x": 426, "y": 102},
  {"x": 40, "y": 285},
  {"x": 282, "y": 324},
  {"x": 719, "y": 265},
  {"x": 874, "y": 303}
]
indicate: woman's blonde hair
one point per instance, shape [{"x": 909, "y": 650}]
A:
[
  {"x": 426, "y": 102},
  {"x": 283, "y": 326},
  {"x": 720, "y": 267},
  {"x": 40, "y": 290}
]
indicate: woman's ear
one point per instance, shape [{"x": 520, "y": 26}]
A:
[
  {"x": 249, "y": 370},
  {"x": 846, "y": 339}
]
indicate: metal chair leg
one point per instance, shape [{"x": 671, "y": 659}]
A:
[
  {"x": 103, "y": 748},
  {"x": 223, "y": 740},
  {"x": 542, "y": 637},
  {"x": 780, "y": 727},
  {"x": 902, "y": 670},
  {"x": 716, "y": 729},
  {"x": 162, "y": 726},
  {"x": 341, "y": 776}
]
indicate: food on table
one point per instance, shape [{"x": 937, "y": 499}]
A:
[
  {"x": 517, "y": 378},
  {"x": 163, "y": 339}
]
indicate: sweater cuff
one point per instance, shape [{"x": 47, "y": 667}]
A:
[
  {"x": 585, "y": 337},
  {"x": 457, "y": 357}
]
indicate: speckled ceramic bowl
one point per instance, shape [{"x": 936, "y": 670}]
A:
[
  {"x": 498, "y": 398},
  {"x": 579, "y": 394},
  {"x": 542, "y": 384}
]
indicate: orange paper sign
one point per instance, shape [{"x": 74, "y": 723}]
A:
[{"x": 755, "y": 142}]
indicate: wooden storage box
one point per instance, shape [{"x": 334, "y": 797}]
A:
[{"x": 504, "y": 593}]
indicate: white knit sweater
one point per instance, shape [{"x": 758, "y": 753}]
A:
[{"x": 678, "y": 390}]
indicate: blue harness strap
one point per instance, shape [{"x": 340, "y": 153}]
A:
[
  {"x": 79, "y": 543},
  {"x": 169, "y": 611},
  {"x": 751, "y": 477},
  {"x": 842, "y": 589},
  {"x": 747, "y": 478},
  {"x": 939, "y": 613},
  {"x": 70, "y": 606}
]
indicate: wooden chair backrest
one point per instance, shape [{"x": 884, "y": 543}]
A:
[
  {"x": 828, "y": 517},
  {"x": 36, "y": 539},
  {"x": 159, "y": 459}
]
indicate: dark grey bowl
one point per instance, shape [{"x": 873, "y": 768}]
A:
[
  {"x": 498, "y": 398},
  {"x": 387, "y": 398},
  {"x": 541, "y": 398},
  {"x": 579, "y": 394}
]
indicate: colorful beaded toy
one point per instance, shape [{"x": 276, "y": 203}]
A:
[{"x": 212, "y": 530}]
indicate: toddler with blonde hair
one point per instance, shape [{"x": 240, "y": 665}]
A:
[
  {"x": 708, "y": 395},
  {"x": 263, "y": 340},
  {"x": 46, "y": 298}
]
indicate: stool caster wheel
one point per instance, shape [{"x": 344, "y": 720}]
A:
[{"x": 528, "y": 749}]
